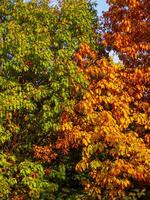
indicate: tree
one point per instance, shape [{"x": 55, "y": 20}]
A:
[
  {"x": 73, "y": 124},
  {"x": 37, "y": 72},
  {"x": 126, "y": 25},
  {"x": 110, "y": 127}
]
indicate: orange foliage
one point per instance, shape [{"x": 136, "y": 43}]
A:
[
  {"x": 45, "y": 153},
  {"x": 110, "y": 123},
  {"x": 127, "y": 25},
  {"x": 20, "y": 197}
]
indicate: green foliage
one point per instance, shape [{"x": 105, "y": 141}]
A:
[
  {"x": 37, "y": 73},
  {"x": 135, "y": 194},
  {"x": 37, "y": 45},
  {"x": 41, "y": 81},
  {"x": 25, "y": 176}
]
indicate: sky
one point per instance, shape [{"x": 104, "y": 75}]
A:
[{"x": 102, "y": 6}]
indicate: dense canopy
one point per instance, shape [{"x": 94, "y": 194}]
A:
[
  {"x": 74, "y": 124},
  {"x": 127, "y": 30}
]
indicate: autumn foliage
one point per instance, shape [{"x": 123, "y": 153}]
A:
[
  {"x": 127, "y": 30},
  {"x": 74, "y": 124},
  {"x": 110, "y": 124}
]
